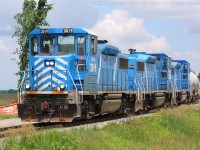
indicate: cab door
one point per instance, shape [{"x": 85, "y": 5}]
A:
[
  {"x": 81, "y": 53},
  {"x": 81, "y": 64}
]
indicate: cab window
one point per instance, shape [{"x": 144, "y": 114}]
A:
[
  {"x": 123, "y": 63},
  {"x": 164, "y": 64},
  {"x": 93, "y": 44},
  {"x": 185, "y": 77},
  {"x": 34, "y": 46},
  {"x": 185, "y": 68},
  {"x": 47, "y": 44},
  {"x": 81, "y": 65},
  {"x": 65, "y": 44},
  {"x": 140, "y": 66},
  {"x": 164, "y": 75},
  {"x": 81, "y": 46}
]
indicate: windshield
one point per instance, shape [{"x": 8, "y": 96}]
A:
[
  {"x": 47, "y": 44},
  {"x": 65, "y": 44}
]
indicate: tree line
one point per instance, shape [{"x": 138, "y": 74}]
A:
[{"x": 8, "y": 91}]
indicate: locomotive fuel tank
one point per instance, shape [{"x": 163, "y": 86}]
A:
[{"x": 111, "y": 104}]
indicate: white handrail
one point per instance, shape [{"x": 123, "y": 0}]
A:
[
  {"x": 20, "y": 86},
  {"x": 79, "y": 79}
]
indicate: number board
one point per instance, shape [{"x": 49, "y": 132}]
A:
[
  {"x": 67, "y": 30},
  {"x": 44, "y": 31}
]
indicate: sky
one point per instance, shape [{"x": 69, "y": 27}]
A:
[{"x": 168, "y": 26}]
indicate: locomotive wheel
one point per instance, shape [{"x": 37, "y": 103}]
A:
[{"x": 90, "y": 115}]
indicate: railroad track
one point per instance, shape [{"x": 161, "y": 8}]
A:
[
  {"x": 44, "y": 126},
  {"x": 98, "y": 121}
]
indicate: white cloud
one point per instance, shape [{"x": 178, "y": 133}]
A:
[
  {"x": 184, "y": 11},
  {"x": 155, "y": 45},
  {"x": 127, "y": 32}
]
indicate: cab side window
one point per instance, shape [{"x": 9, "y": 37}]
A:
[
  {"x": 81, "y": 46},
  {"x": 140, "y": 66},
  {"x": 164, "y": 64},
  {"x": 123, "y": 63},
  {"x": 93, "y": 44},
  {"x": 185, "y": 68},
  {"x": 34, "y": 46},
  {"x": 81, "y": 65}
]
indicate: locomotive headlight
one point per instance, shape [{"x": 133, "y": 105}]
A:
[
  {"x": 27, "y": 87},
  {"x": 47, "y": 63},
  {"x": 51, "y": 63},
  {"x": 62, "y": 86}
]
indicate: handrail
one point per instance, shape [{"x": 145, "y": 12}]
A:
[
  {"x": 72, "y": 79},
  {"x": 20, "y": 86},
  {"x": 79, "y": 79},
  {"x": 80, "y": 85},
  {"x": 143, "y": 85},
  {"x": 139, "y": 88}
]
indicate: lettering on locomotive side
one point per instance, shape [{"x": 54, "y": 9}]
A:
[
  {"x": 44, "y": 31},
  {"x": 93, "y": 59},
  {"x": 67, "y": 30},
  {"x": 92, "y": 67}
]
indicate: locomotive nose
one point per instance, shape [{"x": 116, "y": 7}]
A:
[{"x": 50, "y": 74}]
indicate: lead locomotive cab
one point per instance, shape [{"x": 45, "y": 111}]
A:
[{"x": 52, "y": 88}]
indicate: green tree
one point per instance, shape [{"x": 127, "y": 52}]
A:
[{"x": 33, "y": 16}]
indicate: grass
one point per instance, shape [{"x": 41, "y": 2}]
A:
[
  {"x": 7, "y": 98},
  {"x": 8, "y": 117},
  {"x": 170, "y": 129}
]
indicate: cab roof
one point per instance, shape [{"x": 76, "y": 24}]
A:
[
  {"x": 60, "y": 30},
  {"x": 109, "y": 49},
  {"x": 181, "y": 61},
  {"x": 159, "y": 54},
  {"x": 143, "y": 57}
]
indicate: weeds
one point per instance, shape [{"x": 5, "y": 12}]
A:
[
  {"x": 170, "y": 129},
  {"x": 8, "y": 117},
  {"x": 7, "y": 98}
]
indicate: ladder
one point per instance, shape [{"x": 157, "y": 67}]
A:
[
  {"x": 174, "y": 92},
  {"x": 140, "y": 90}
]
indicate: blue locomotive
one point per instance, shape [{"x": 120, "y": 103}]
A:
[
  {"x": 73, "y": 75},
  {"x": 180, "y": 76}
]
